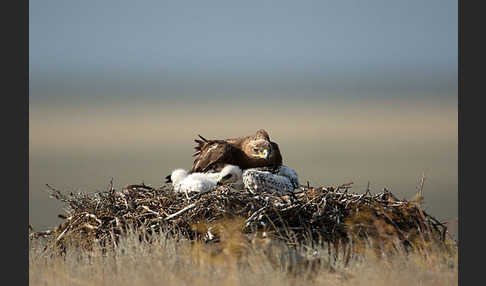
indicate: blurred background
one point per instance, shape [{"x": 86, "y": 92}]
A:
[{"x": 352, "y": 91}]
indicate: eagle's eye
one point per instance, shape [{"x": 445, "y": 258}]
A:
[{"x": 255, "y": 150}]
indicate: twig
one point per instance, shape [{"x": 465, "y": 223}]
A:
[
  {"x": 421, "y": 186},
  {"x": 143, "y": 186},
  {"x": 181, "y": 211}
]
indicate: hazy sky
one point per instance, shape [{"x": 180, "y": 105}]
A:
[
  {"x": 239, "y": 45},
  {"x": 130, "y": 53}
]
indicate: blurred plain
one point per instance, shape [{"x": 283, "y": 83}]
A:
[{"x": 351, "y": 91}]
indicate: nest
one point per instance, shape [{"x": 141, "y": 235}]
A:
[{"x": 332, "y": 215}]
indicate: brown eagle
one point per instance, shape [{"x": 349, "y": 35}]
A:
[{"x": 246, "y": 152}]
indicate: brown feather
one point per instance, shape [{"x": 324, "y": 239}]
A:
[
  {"x": 262, "y": 134},
  {"x": 214, "y": 154},
  {"x": 277, "y": 154},
  {"x": 204, "y": 139}
]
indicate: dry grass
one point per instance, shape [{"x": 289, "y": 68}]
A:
[
  {"x": 111, "y": 238},
  {"x": 234, "y": 261}
]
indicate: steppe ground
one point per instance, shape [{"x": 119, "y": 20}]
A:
[{"x": 235, "y": 262}]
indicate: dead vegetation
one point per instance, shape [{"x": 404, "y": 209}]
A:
[
  {"x": 331, "y": 215},
  {"x": 226, "y": 236}
]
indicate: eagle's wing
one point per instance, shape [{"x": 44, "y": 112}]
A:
[
  {"x": 277, "y": 157},
  {"x": 210, "y": 154}
]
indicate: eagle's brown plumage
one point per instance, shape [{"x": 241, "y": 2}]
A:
[{"x": 246, "y": 152}]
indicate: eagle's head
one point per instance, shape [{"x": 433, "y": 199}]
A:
[
  {"x": 230, "y": 174},
  {"x": 177, "y": 176},
  {"x": 259, "y": 149},
  {"x": 262, "y": 134}
]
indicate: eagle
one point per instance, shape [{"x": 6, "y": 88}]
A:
[
  {"x": 246, "y": 152},
  {"x": 258, "y": 180},
  {"x": 199, "y": 182}
]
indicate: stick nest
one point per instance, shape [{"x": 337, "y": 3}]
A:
[{"x": 332, "y": 215}]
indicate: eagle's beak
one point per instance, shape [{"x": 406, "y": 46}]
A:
[
  {"x": 220, "y": 182},
  {"x": 262, "y": 154},
  {"x": 266, "y": 154},
  {"x": 168, "y": 179}
]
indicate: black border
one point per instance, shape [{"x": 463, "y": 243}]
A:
[
  {"x": 16, "y": 136},
  {"x": 470, "y": 114},
  {"x": 15, "y": 119}
]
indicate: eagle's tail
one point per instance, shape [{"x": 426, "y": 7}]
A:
[
  {"x": 200, "y": 145},
  {"x": 204, "y": 139}
]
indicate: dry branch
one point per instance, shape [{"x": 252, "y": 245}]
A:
[{"x": 322, "y": 214}]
